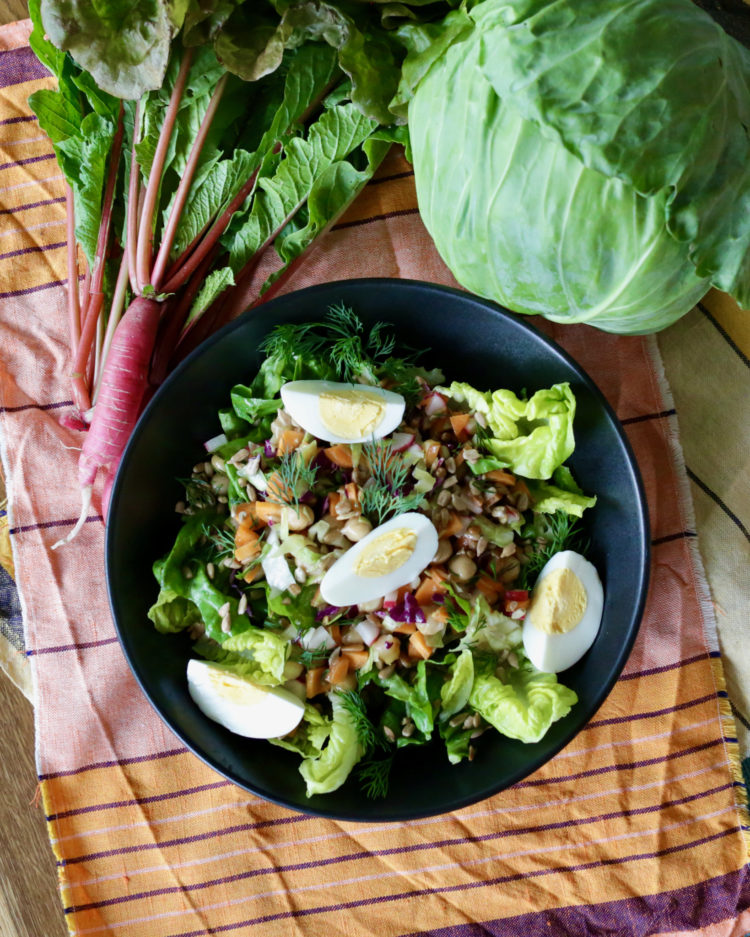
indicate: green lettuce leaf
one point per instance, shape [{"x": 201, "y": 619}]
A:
[
  {"x": 455, "y": 692},
  {"x": 262, "y": 660},
  {"x": 172, "y": 612},
  {"x": 532, "y": 437},
  {"x": 523, "y": 708},
  {"x": 297, "y": 608},
  {"x": 327, "y": 771},
  {"x": 310, "y": 735},
  {"x": 549, "y": 498}
]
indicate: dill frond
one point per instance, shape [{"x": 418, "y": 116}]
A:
[
  {"x": 374, "y": 777},
  {"x": 351, "y": 353},
  {"x": 563, "y": 532},
  {"x": 367, "y": 734},
  {"x": 383, "y": 496},
  {"x": 295, "y": 477}
]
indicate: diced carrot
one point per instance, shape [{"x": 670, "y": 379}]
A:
[
  {"x": 335, "y": 633},
  {"x": 289, "y": 440},
  {"x": 333, "y": 499},
  {"x": 248, "y": 551},
  {"x": 489, "y": 588},
  {"x": 340, "y": 455},
  {"x": 440, "y": 613},
  {"x": 460, "y": 422},
  {"x": 314, "y": 683},
  {"x": 405, "y": 627},
  {"x": 246, "y": 514},
  {"x": 268, "y": 511},
  {"x": 357, "y": 658},
  {"x": 338, "y": 670},
  {"x": 252, "y": 574},
  {"x": 440, "y": 574},
  {"x": 460, "y": 457},
  {"x": 426, "y": 591},
  {"x": 431, "y": 452},
  {"x": 418, "y": 646},
  {"x": 440, "y": 425},
  {"x": 454, "y": 526},
  {"x": 498, "y": 475},
  {"x": 244, "y": 534},
  {"x": 278, "y": 490}
]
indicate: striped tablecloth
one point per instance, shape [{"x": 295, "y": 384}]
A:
[{"x": 638, "y": 827}]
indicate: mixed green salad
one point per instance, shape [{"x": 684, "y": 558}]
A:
[{"x": 361, "y": 585}]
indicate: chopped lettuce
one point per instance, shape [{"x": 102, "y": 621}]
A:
[
  {"x": 310, "y": 736},
  {"x": 297, "y": 608},
  {"x": 455, "y": 692},
  {"x": 260, "y": 660},
  {"x": 330, "y": 767},
  {"x": 532, "y": 437},
  {"x": 524, "y": 707},
  {"x": 549, "y": 498}
]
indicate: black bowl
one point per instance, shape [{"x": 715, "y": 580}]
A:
[{"x": 471, "y": 340}]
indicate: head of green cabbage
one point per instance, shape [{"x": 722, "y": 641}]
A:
[{"x": 518, "y": 215}]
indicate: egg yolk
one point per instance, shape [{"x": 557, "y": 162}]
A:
[
  {"x": 233, "y": 687},
  {"x": 558, "y": 603},
  {"x": 386, "y": 553},
  {"x": 351, "y": 412}
]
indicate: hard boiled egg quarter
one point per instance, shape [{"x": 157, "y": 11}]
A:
[
  {"x": 244, "y": 707},
  {"x": 343, "y": 413},
  {"x": 565, "y": 612},
  {"x": 386, "y": 559}
]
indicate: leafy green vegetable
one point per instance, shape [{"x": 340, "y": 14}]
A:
[
  {"x": 546, "y": 111},
  {"x": 455, "y": 692},
  {"x": 523, "y": 708},
  {"x": 532, "y": 437},
  {"x": 124, "y": 45},
  {"x": 327, "y": 771}
]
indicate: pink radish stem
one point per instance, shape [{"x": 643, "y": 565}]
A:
[
  {"x": 115, "y": 314},
  {"x": 133, "y": 204},
  {"x": 181, "y": 195},
  {"x": 124, "y": 381},
  {"x": 144, "y": 247},
  {"x": 74, "y": 307}
]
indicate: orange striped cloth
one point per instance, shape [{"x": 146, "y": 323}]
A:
[{"x": 636, "y": 828}]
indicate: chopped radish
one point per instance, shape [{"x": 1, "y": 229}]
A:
[
  {"x": 401, "y": 441},
  {"x": 211, "y": 445},
  {"x": 434, "y": 403},
  {"x": 368, "y": 631}
]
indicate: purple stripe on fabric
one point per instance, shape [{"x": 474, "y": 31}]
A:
[
  {"x": 17, "y": 120},
  {"x": 407, "y": 174},
  {"x": 37, "y": 406},
  {"x": 690, "y": 908},
  {"x": 36, "y": 249},
  {"x": 351, "y": 857},
  {"x": 81, "y": 646},
  {"x": 66, "y": 522},
  {"x": 648, "y": 416},
  {"x": 666, "y": 667},
  {"x": 616, "y": 720},
  {"x": 33, "y": 289},
  {"x": 25, "y": 162},
  {"x": 136, "y": 759},
  {"x": 46, "y": 201},
  {"x": 384, "y": 217},
  {"x": 682, "y": 535},
  {"x": 20, "y": 65},
  {"x": 447, "y": 889},
  {"x": 626, "y": 766},
  {"x": 133, "y": 801}
]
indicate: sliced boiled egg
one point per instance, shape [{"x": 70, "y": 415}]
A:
[
  {"x": 243, "y": 707},
  {"x": 386, "y": 559},
  {"x": 343, "y": 413},
  {"x": 564, "y": 614}
]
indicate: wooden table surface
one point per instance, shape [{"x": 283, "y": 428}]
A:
[{"x": 29, "y": 899}]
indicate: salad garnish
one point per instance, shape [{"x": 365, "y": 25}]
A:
[{"x": 433, "y": 539}]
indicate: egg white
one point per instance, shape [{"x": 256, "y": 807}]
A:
[
  {"x": 243, "y": 707},
  {"x": 301, "y": 400},
  {"x": 341, "y": 586},
  {"x": 553, "y": 653}
]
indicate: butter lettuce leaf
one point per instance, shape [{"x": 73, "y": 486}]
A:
[
  {"x": 327, "y": 771},
  {"x": 525, "y": 706},
  {"x": 532, "y": 437},
  {"x": 310, "y": 736}
]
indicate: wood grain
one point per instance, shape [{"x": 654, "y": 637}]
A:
[{"x": 29, "y": 899}]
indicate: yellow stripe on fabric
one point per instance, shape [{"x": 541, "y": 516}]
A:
[
  {"x": 734, "y": 320},
  {"x": 733, "y": 751}
]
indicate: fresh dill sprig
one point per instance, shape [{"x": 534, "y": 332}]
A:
[
  {"x": 313, "y": 656},
  {"x": 291, "y": 340},
  {"x": 220, "y": 539},
  {"x": 295, "y": 477},
  {"x": 352, "y": 354},
  {"x": 383, "y": 495},
  {"x": 374, "y": 776},
  {"x": 198, "y": 492},
  {"x": 562, "y": 532},
  {"x": 367, "y": 734}
]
